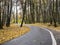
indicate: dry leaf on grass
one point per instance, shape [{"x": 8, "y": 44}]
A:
[{"x": 12, "y": 32}]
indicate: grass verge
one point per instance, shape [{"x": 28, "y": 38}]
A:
[
  {"x": 47, "y": 25},
  {"x": 12, "y": 32}
]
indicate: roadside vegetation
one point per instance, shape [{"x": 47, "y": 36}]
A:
[
  {"x": 48, "y": 26},
  {"x": 12, "y": 32},
  {"x": 42, "y": 13}
]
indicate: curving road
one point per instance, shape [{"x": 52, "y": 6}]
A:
[{"x": 37, "y": 36}]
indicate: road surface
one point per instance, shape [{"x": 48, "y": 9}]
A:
[{"x": 36, "y": 36}]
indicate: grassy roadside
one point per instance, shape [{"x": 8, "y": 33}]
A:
[
  {"x": 46, "y": 25},
  {"x": 12, "y": 32}
]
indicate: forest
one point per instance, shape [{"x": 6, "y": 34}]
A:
[
  {"x": 40, "y": 11},
  {"x": 25, "y": 12}
]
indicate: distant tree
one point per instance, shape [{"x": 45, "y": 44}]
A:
[
  {"x": 9, "y": 7},
  {"x": 16, "y": 12},
  {"x": 32, "y": 12},
  {"x": 4, "y": 12},
  {"x": 1, "y": 14},
  {"x": 54, "y": 15},
  {"x": 1, "y": 27},
  {"x": 37, "y": 12},
  {"x": 24, "y": 11}
]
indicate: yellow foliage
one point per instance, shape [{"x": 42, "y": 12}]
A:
[
  {"x": 12, "y": 32},
  {"x": 46, "y": 25}
]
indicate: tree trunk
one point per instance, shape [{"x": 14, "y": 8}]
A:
[
  {"x": 24, "y": 11},
  {"x": 1, "y": 27},
  {"x": 9, "y": 15}
]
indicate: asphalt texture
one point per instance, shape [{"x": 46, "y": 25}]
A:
[
  {"x": 36, "y": 36},
  {"x": 56, "y": 35}
]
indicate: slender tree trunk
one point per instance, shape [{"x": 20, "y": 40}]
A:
[
  {"x": 24, "y": 11},
  {"x": 16, "y": 13},
  {"x": 9, "y": 15},
  {"x": 54, "y": 16},
  {"x": 32, "y": 11},
  {"x": 1, "y": 27}
]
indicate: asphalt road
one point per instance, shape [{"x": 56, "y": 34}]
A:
[{"x": 36, "y": 36}]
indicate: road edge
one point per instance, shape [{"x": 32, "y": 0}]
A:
[{"x": 52, "y": 36}]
